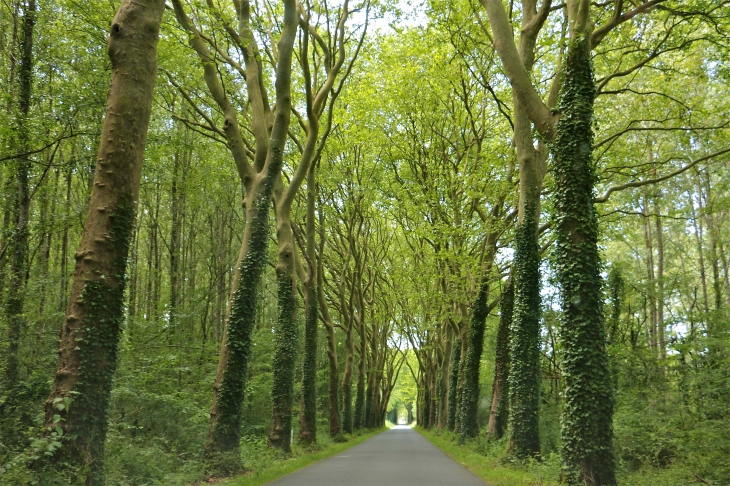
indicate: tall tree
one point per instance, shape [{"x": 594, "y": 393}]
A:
[
  {"x": 19, "y": 207},
  {"x": 259, "y": 179},
  {"x": 588, "y": 411},
  {"x": 90, "y": 336}
]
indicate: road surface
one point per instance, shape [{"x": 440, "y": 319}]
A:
[{"x": 398, "y": 457}]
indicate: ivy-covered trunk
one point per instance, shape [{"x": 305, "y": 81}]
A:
[
  {"x": 470, "y": 397},
  {"x": 454, "y": 385},
  {"x": 369, "y": 398},
  {"x": 335, "y": 423},
  {"x": 460, "y": 383},
  {"x": 524, "y": 371},
  {"x": 308, "y": 417},
  {"x": 287, "y": 339},
  {"x": 425, "y": 403},
  {"x": 359, "y": 415},
  {"x": 90, "y": 335},
  {"x": 588, "y": 410},
  {"x": 499, "y": 410},
  {"x": 444, "y": 380}
]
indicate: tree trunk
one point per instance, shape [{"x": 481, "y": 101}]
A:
[
  {"x": 454, "y": 385},
  {"x": 444, "y": 380},
  {"x": 359, "y": 415},
  {"x": 347, "y": 415},
  {"x": 333, "y": 378},
  {"x": 287, "y": 337},
  {"x": 470, "y": 406},
  {"x": 587, "y": 422},
  {"x": 660, "y": 330},
  {"x": 175, "y": 229},
  {"x": 308, "y": 417},
  {"x": 499, "y": 411},
  {"x": 63, "y": 284},
  {"x": 650, "y": 275},
  {"x": 20, "y": 211},
  {"x": 92, "y": 328}
]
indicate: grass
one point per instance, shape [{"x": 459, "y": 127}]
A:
[
  {"x": 487, "y": 461},
  {"x": 300, "y": 458}
]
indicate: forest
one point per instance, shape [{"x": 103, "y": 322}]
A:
[{"x": 236, "y": 234}]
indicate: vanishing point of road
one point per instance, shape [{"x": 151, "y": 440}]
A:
[{"x": 398, "y": 457}]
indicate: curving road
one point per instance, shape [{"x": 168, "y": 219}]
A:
[{"x": 398, "y": 457}]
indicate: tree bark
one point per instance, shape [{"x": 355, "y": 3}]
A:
[
  {"x": 499, "y": 410},
  {"x": 650, "y": 276},
  {"x": 14, "y": 303},
  {"x": 454, "y": 385},
  {"x": 587, "y": 422},
  {"x": 308, "y": 417},
  {"x": 92, "y": 328}
]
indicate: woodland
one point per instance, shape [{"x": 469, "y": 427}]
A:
[{"x": 236, "y": 232}]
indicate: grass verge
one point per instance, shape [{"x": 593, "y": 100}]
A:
[
  {"x": 487, "y": 460},
  {"x": 300, "y": 458}
]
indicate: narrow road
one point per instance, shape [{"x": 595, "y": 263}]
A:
[{"x": 398, "y": 457}]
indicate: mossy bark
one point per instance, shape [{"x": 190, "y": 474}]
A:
[
  {"x": 588, "y": 411},
  {"x": 287, "y": 342},
  {"x": 369, "y": 392},
  {"x": 524, "y": 371},
  {"x": 444, "y": 380},
  {"x": 308, "y": 417},
  {"x": 92, "y": 328},
  {"x": 460, "y": 384},
  {"x": 454, "y": 386},
  {"x": 470, "y": 397},
  {"x": 499, "y": 411},
  {"x": 425, "y": 403}
]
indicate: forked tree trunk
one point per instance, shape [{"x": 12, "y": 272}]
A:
[
  {"x": 90, "y": 334},
  {"x": 223, "y": 446}
]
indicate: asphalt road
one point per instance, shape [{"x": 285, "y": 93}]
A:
[{"x": 398, "y": 457}]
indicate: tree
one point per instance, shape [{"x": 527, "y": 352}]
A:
[
  {"x": 259, "y": 180},
  {"x": 79, "y": 400},
  {"x": 588, "y": 412},
  {"x": 18, "y": 216}
]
